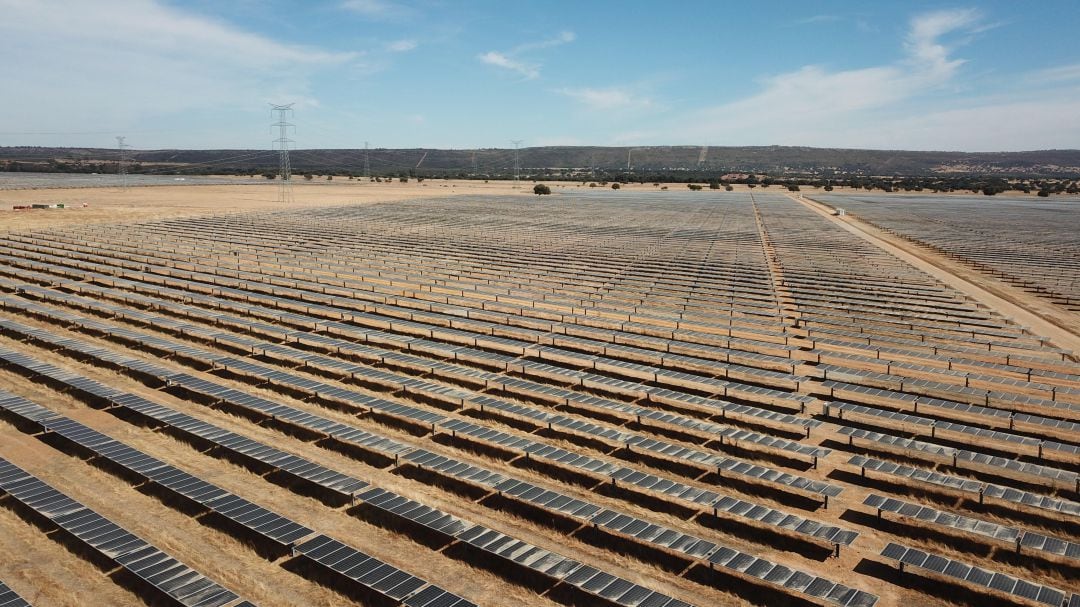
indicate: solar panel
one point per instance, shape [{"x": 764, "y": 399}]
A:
[
  {"x": 371, "y": 573},
  {"x": 9, "y": 598},
  {"x": 968, "y": 486},
  {"x": 112, "y": 542},
  {"x": 201, "y": 386},
  {"x": 628, "y": 318},
  {"x": 1051, "y": 545},
  {"x": 580, "y": 507},
  {"x": 784, "y": 521},
  {"x": 434, "y": 596},
  {"x": 203, "y": 382},
  {"x": 943, "y": 519},
  {"x": 266, "y": 524},
  {"x": 1000, "y": 465},
  {"x": 795, "y": 581},
  {"x": 963, "y": 572}
]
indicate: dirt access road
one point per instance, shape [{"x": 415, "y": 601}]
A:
[{"x": 1043, "y": 318}]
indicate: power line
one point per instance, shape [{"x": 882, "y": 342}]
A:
[{"x": 285, "y": 194}]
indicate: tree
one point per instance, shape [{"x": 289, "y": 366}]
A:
[
  {"x": 714, "y": 184},
  {"x": 541, "y": 189},
  {"x": 308, "y": 176},
  {"x": 1044, "y": 193},
  {"x": 693, "y": 186},
  {"x": 615, "y": 186},
  {"x": 270, "y": 175},
  {"x": 828, "y": 187},
  {"x": 728, "y": 188},
  {"x": 793, "y": 187}
]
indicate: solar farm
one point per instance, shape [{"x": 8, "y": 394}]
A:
[
  {"x": 654, "y": 399},
  {"x": 1033, "y": 244}
]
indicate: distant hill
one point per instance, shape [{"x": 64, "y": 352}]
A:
[{"x": 577, "y": 160}]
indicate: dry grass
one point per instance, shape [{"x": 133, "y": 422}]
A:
[
  {"x": 44, "y": 572},
  {"x": 158, "y": 202}
]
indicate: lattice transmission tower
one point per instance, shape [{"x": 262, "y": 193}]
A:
[
  {"x": 517, "y": 161},
  {"x": 281, "y": 144},
  {"x": 367, "y": 163},
  {"x": 121, "y": 161}
]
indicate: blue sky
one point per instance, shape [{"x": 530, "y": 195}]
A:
[{"x": 979, "y": 76}]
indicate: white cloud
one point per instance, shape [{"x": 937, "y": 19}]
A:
[
  {"x": 117, "y": 63},
  {"x": 1062, "y": 73},
  {"x": 150, "y": 26},
  {"x": 817, "y": 106},
  {"x": 379, "y": 9},
  {"x": 564, "y": 37},
  {"x": 891, "y": 106},
  {"x": 818, "y": 19},
  {"x": 923, "y": 39},
  {"x": 529, "y": 72},
  {"x": 401, "y": 46},
  {"x": 606, "y": 98},
  {"x": 984, "y": 126}
]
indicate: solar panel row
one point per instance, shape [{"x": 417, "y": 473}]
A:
[
  {"x": 167, "y": 575},
  {"x": 786, "y": 480},
  {"x": 607, "y": 518},
  {"x": 1015, "y": 498},
  {"x": 517, "y": 348},
  {"x": 970, "y": 525},
  {"x": 266, "y": 524},
  {"x": 257, "y": 520},
  {"x": 1051, "y": 418},
  {"x": 984, "y": 579},
  {"x": 424, "y": 365},
  {"x": 510, "y": 550},
  {"x": 791, "y": 579},
  {"x": 475, "y": 301},
  {"x": 964, "y": 458}
]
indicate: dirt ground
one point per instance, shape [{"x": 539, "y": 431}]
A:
[{"x": 156, "y": 202}]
